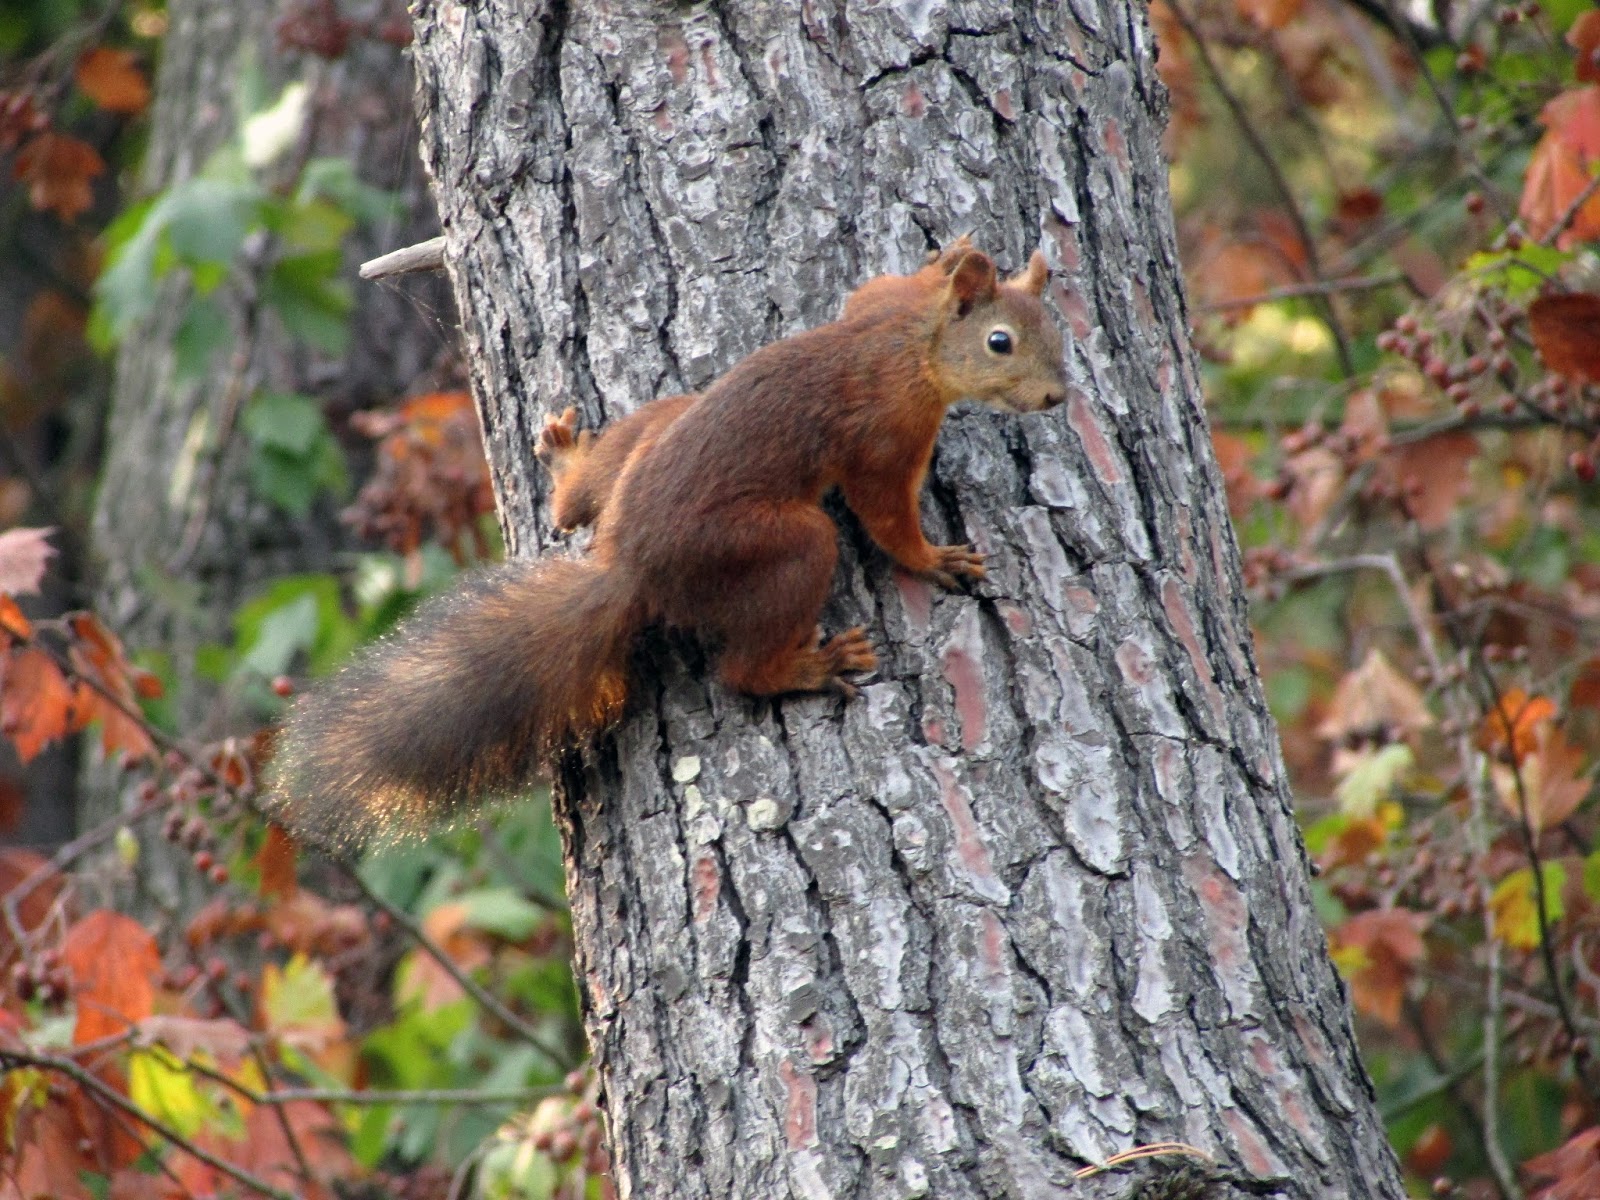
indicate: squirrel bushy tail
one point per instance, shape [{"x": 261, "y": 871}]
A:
[{"x": 459, "y": 704}]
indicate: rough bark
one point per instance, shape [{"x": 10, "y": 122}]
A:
[
  {"x": 1037, "y": 896},
  {"x": 179, "y": 535}
]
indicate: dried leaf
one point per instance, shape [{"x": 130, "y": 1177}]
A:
[
  {"x": 1377, "y": 952},
  {"x": 1433, "y": 474},
  {"x": 1569, "y": 1172},
  {"x": 57, "y": 169},
  {"x": 112, "y": 80},
  {"x": 24, "y": 553},
  {"x": 1566, "y": 329},
  {"x": 1375, "y": 701},
  {"x": 114, "y": 963},
  {"x": 222, "y": 1038}
]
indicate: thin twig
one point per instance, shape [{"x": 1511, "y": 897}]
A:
[
  {"x": 1279, "y": 184},
  {"x": 12, "y": 1059},
  {"x": 1571, "y": 213},
  {"x": 1323, "y": 287},
  {"x": 557, "y": 1054}
]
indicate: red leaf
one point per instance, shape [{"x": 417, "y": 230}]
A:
[
  {"x": 1570, "y": 1171},
  {"x": 1433, "y": 475},
  {"x": 112, "y": 80},
  {"x": 115, "y": 964},
  {"x": 1510, "y": 730},
  {"x": 23, "y": 556},
  {"x": 1566, "y": 329},
  {"x": 57, "y": 169},
  {"x": 1385, "y": 945}
]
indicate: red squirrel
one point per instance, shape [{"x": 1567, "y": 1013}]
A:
[{"x": 707, "y": 518}]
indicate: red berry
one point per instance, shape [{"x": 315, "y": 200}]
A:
[
  {"x": 1582, "y": 464},
  {"x": 282, "y": 686},
  {"x": 1406, "y": 324},
  {"x": 203, "y": 861},
  {"x": 219, "y": 874},
  {"x": 1474, "y": 202}
]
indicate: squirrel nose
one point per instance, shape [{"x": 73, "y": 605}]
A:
[{"x": 1053, "y": 398}]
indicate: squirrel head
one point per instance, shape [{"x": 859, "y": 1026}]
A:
[{"x": 994, "y": 340}]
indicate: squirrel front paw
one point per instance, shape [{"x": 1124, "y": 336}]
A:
[{"x": 952, "y": 564}]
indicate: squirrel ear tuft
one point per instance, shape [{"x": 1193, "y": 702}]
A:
[
  {"x": 952, "y": 253},
  {"x": 1034, "y": 277},
  {"x": 972, "y": 281}
]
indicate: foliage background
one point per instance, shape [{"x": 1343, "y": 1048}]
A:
[{"x": 1389, "y": 219}]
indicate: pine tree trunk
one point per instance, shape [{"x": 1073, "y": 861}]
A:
[{"x": 1037, "y": 896}]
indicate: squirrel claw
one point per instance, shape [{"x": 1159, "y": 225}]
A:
[
  {"x": 952, "y": 564},
  {"x": 845, "y": 653},
  {"x": 558, "y": 437}
]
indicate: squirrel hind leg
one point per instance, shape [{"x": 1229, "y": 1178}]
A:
[{"x": 773, "y": 567}]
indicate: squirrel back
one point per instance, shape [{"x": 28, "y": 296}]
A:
[{"x": 708, "y": 519}]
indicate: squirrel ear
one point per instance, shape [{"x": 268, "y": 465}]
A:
[
  {"x": 1033, "y": 279},
  {"x": 971, "y": 281},
  {"x": 948, "y": 257}
]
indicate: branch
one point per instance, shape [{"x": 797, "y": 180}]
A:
[
  {"x": 424, "y": 256},
  {"x": 65, "y": 1066},
  {"x": 556, "y": 1054},
  {"x": 1323, "y": 287}
]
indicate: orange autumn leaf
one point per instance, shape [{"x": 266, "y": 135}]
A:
[
  {"x": 1584, "y": 37},
  {"x": 1551, "y": 781},
  {"x": 1566, "y": 329},
  {"x": 275, "y": 1140},
  {"x": 112, "y": 80},
  {"x": 1377, "y": 952},
  {"x": 14, "y": 627},
  {"x": 1510, "y": 729},
  {"x": 115, "y": 963},
  {"x": 36, "y": 702},
  {"x": 57, "y": 169}
]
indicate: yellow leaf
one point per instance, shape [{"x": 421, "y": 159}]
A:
[
  {"x": 162, "y": 1087},
  {"x": 1516, "y": 917}
]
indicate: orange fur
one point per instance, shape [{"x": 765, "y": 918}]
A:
[{"x": 708, "y": 518}]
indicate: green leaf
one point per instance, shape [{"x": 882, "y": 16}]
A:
[
  {"x": 314, "y": 622},
  {"x": 207, "y": 219},
  {"x": 1591, "y": 875},
  {"x": 502, "y": 911},
  {"x": 206, "y": 329},
  {"x": 284, "y": 421},
  {"x": 335, "y": 180},
  {"x": 313, "y": 304}
]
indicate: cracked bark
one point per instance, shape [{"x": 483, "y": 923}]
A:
[{"x": 1037, "y": 896}]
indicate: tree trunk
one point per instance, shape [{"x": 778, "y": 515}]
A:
[
  {"x": 1036, "y": 897},
  {"x": 176, "y": 561}
]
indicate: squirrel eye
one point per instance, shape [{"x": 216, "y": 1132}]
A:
[{"x": 999, "y": 341}]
